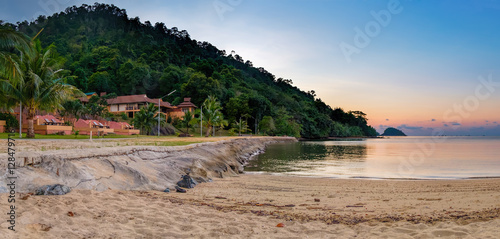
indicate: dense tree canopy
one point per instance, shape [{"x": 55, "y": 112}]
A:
[{"x": 108, "y": 52}]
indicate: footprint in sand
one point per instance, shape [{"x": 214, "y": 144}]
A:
[
  {"x": 449, "y": 233},
  {"x": 39, "y": 227}
]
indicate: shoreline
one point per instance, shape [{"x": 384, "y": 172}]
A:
[
  {"x": 368, "y": 178},
  {"x": 465, "y": 196}
]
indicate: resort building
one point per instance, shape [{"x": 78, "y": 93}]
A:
[
  {"x": 48, "y": 124},
  {"x": 179, "y": 110},
  {"x": 122, "y": 128},
  {"x": 131, "y": 104},
  {"x": 84, "y": 127},
  {"x": 53, "y": 123}
]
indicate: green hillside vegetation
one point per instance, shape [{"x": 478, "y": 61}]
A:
[
  {"x": 105, "y": 51},
  {"x": 393, "y": 132}
]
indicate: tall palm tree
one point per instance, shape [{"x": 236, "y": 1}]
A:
[
  {"x": 212, "y": 114},
  {"x": 40, "y": 86},
  {"x": 145, "y": 119},
  {"x": 10, "y": 38},
  {"x": 10, "y": 41}
]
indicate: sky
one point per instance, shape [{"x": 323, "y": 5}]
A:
[{"x": 423, "y": 66}]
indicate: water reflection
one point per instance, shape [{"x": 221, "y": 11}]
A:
[
  {"x": 455, "y": 157},
  {"x": 315, "y": 156}
]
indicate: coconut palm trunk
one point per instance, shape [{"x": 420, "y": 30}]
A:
[
  {"x": 209, "y": 130},
  {"x": 31, "y": 125}
]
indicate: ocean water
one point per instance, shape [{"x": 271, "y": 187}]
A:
[{"x": 444, "y": 157}]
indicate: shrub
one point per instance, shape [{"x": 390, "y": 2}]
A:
[{"x": 11, "y": 121}]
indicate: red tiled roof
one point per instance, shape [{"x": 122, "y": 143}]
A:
[
  {"x": 186, "y": 104},
  {"x": 129, "y": 99},
  {"x": 82, "y": 123},
  {"x": 49, "y": 117},
  {"x": 162, "y": 103},
  {"x": 119, "y": 125}
]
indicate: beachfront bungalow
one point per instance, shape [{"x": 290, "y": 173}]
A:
[
  {"x": 131, "y": 104},
  {"x": 84, "y": 127},
  {"x": 179, "y": 110},
  {"x": 122, "y": 128},
  {"x": 48, "y": 124}
]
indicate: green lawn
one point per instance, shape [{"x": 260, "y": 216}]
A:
[
  {"x": 168, "y": 143},
  {"x": 53, "y": 136},
  {"x": 195, "y": 132},
  {"x": 111, "y": 136}
]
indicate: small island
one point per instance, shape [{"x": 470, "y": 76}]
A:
[{"x": 393, "y": 132}]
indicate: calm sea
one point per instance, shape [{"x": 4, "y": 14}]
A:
[{"x": 393, "y": 157}]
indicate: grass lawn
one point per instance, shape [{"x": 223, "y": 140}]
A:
[{"x": 54, "y": 136}]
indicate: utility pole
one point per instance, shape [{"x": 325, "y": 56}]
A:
[
  {"x": 201, "y": 122},
  {"x": 256, "y": 124},
  {"x": 20, "y": 120}
]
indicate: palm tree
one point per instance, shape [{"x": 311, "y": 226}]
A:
[
  {"x": 145, "y": 119},
  {"x": 241, "y": 126},
  {"x": 212, "y": 114},
  {"x": 188, "y": 120},
  {"x": 10, "y": 40},
  {"x": 72, "y": 108},
  {"x": 40, "y": 86}
]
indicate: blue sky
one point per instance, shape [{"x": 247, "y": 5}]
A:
[{"x": 421, "y": 60}]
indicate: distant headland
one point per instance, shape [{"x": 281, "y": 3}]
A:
[{"x": 393, "y": 132}]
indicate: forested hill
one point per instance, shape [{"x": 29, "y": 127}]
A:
[{"x": 106, "y": 51}]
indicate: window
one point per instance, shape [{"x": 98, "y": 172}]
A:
[
  {"x": 185, "y": 110},
  {"x": 131, "y": 107}
]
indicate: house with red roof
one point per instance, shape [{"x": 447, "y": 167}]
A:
[
  {"x": 122, "y": 128},
  {"x": 179, "y": 110},
  {"x": 97, "y": 128},
  {"x": 131, "y": 104},
  {"x": 48, "y": 124}
]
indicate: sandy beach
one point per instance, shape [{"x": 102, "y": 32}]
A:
[{"x": 252, "y": 206}]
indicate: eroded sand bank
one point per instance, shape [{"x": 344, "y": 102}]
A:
[{"x": 133, "y": 167}]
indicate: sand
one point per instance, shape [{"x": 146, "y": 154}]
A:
[{"x": 251, "y": 206}]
